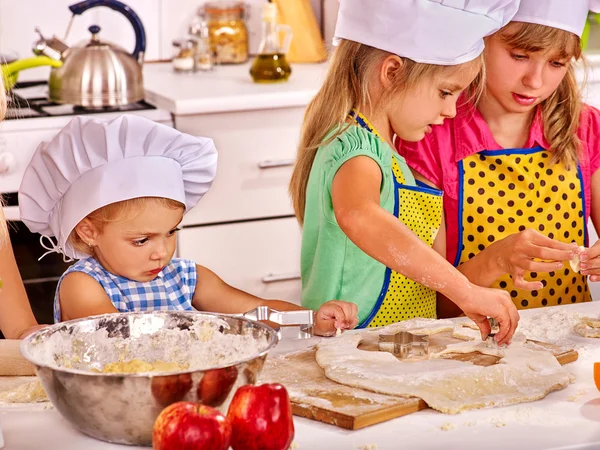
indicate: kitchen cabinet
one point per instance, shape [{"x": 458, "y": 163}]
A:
[
  {"x": 261, "y": 257},
  {"x": 244, "y": 228},
  {"x": 256, "y": 153}
]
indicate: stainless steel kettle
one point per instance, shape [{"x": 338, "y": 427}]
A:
[{"x": 98, "y": 74}]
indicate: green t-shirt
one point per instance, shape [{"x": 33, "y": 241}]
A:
[{"x": 333, "y": 268}]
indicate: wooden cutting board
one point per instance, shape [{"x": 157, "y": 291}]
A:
[
  {"x": 12, "y": 362},
  {"x": 316, "y": 397}
]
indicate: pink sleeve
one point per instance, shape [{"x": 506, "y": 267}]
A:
[
  {"x": 424, "y": 157},
  {"x": 589, "y": 134}
]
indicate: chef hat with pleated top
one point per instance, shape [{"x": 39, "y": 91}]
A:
[
  {"x": 91, "y": 163},
  {"x": 443, "y": 32},
  {"x": 568, "y": 15}
]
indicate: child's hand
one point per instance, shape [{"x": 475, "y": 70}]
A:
[
  {"x": 31, "y": 330},
  {"x": 333, "y": 315},
  {"x": 479, "y": 303}
]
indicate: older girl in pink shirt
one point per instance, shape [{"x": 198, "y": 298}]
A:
[{"x": 518, "y": 169}]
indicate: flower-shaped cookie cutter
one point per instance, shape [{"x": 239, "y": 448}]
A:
[{"x": 404, "y": 344}]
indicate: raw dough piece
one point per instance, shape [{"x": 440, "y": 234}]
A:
[
  {"x": 588, "y": 327},
  {"x": 574, "y": 263},
  {"x": 31, "y": 392},
  {"x": 338, "y": 331},
  {"x": 447, "y": 385},
  {"x": 139, "y": 366}
]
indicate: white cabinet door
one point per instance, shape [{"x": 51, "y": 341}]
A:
[
  {"x": 256, "y": 150},
  {"x": 261, "y": 257}
]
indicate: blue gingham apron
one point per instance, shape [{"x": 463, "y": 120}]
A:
[{"x": 172, "y": 289}]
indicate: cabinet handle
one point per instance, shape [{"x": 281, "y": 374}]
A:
[
  {"x": 271, "y": 164},
  {"x": 275, "y": 278}
]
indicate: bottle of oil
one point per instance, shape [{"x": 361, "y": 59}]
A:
[{"x": 270, "y": 65}]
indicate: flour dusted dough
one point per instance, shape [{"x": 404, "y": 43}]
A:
[
  {"x": 588, "y": 327},
  {"x": 574, "y": 263},
  {"x": 31, "y": 392},
  {"x": 522, "y": 374}
]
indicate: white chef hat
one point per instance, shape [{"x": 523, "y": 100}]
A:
[
  {"x": 569, "y": 15},
  {"x": 444, "y": 32},
  {"x": 91, "y": 163}
]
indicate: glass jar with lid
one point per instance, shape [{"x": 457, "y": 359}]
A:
[
  {"x": 184, "y": 55},
  {"x": 228, "y": 34}
]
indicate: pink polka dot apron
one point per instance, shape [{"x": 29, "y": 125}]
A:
[
  {"x": 420, "y": 209},
  {"x": 507, "y": 191}
]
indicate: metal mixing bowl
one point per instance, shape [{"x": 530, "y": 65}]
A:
[{"x": 122, "y": 408}]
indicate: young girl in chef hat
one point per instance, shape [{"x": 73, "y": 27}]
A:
[
  {"x": 368, "y": 228},
  {"x": 518, "y": 169},
  {"x": 113, "y": 194}
]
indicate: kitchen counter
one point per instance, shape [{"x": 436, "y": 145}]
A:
[
  {"x": 228, "y": 88},
  {"x": 566, "y": 419}
]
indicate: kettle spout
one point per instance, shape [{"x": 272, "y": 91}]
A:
[{"x": 53, "y": 48}]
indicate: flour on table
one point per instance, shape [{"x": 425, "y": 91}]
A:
[
  {"x": 522, "y": 374},
  {"x": 31, "y": 392}
]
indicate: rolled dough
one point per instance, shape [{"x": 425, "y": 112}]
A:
[
  {"x": 522, "y": 374},
  {"x": 588, "y": 327}
]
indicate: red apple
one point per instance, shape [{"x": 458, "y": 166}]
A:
[
  {"x": 216, "y": 385},
  {"x": 191, "y": 426},
  {"x": 261, "y": 418},
  {"x": 171, "y": 388}
]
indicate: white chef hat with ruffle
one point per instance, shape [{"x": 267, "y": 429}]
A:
[
  {"x": 444, "y": 32},
  {"x": 92, "y": 163},
  {"x": 569, "y": 15}
]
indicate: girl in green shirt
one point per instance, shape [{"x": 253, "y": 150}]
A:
[{"x": 368, "y": 227}]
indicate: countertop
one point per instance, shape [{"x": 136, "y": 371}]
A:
[
  {"x": 228, "y": 88},
  {"x": 566, "y": 419}
]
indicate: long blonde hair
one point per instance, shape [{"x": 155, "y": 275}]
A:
[
  {"x": 561, "y": 111},
  {"x": 119, "y": 211},
  {"x": 346, "y": 86}
]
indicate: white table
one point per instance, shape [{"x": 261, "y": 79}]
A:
[{"x": 567, "y": 419}]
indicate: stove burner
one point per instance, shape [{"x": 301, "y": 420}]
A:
[
  {"x": 96, "y": 109},
  {"x": 29, "y": 100}
]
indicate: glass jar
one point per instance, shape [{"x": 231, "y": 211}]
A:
[
  {"x": 184, "y": 55},
  {"x": 228, "y": 34}
]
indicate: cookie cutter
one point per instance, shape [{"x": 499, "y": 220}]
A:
[
  {"x": 294, "y": 324},
  {"x": 404, "y": 344},
  {"x": 490, "y": 341},
  {"x": 493, "y": 324}
]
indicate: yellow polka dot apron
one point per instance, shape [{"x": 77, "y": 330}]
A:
[
  {"x": 420, "y": 209},
  {"x": 503, "y": 192}
]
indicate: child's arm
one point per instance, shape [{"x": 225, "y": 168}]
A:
[
  {"x": 214, "y": 295},
  {"x": 82, "y": 296},
  {"x": 16, "y": 317},
  {"x": 356, "y": 201}
]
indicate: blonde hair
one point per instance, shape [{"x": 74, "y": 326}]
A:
[
  {"x": 347, "y": 86},
  {"x": 119, "y": 212},
  {"x": 560, "y": 111}
]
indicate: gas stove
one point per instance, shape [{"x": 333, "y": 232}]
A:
[{"x": 30, "y": 100}]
